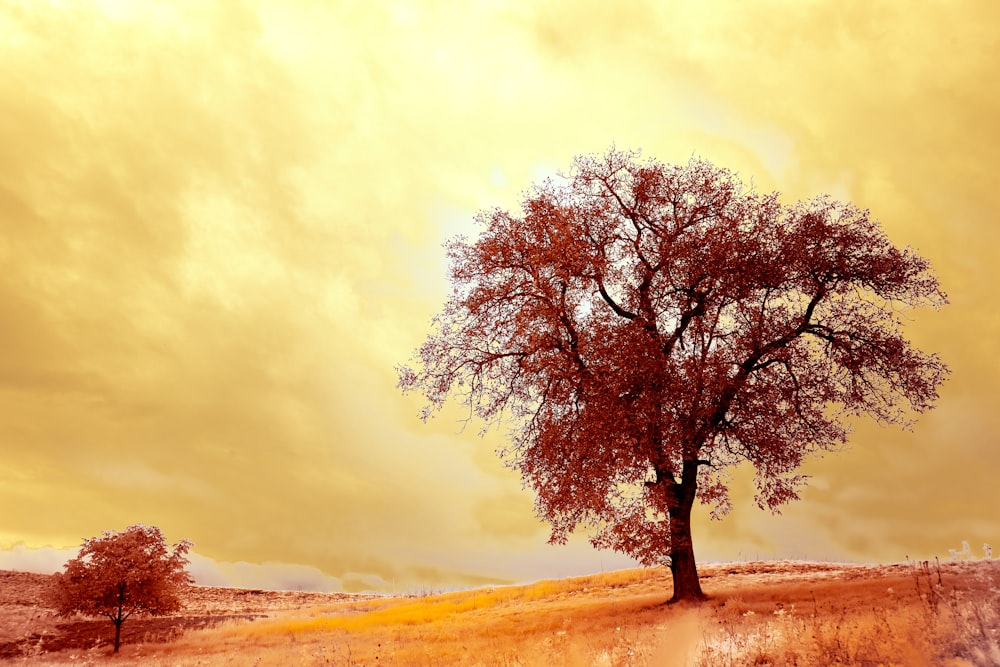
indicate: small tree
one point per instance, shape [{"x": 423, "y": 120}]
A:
[
  {"x": 649, "y": 326},
  {"x": 121, "y": 574}
]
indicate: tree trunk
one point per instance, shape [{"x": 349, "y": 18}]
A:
[
  {"x": 120, "y": 614},
  {"x": 683, "y": 569},
  {"x": 685, "y": 575}
]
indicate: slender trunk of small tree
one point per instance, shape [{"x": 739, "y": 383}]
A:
[
  {"x": 683, "y": 569},
  {"x": 119, "y": 616}
]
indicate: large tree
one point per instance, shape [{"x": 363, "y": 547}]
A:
[
  {"x": 122, "y": 574},
  {"x": 645, "y": 327}
]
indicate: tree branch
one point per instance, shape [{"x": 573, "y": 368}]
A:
[
  {"x": 689, "y": 314},
  {"x": 621, "y": 312},
  {"x": 752, "y": 363}
]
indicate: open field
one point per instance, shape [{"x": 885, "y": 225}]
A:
[{"x": 758, "y": 613}]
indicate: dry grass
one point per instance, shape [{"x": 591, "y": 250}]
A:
[
  {"x": 783, "y": 613},
  {"x": 918, "y": 614}
]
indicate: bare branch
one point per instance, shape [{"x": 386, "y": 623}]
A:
[{"x": 621, "y": 312}]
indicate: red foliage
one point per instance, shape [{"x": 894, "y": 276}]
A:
[
  {"x": 123, "y": 574},
  {"x": 647, "y": 326}
]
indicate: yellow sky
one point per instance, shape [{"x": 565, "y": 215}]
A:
[{"x": 220, "y": 229}]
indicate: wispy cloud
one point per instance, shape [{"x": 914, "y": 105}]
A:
[{"x": 220, "y": 226}]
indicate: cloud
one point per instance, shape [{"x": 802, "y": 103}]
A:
[
  {"x": 43, "y": 560},
  {"x": 221, "y": 225},
  {"x": 264, "y": 576}
]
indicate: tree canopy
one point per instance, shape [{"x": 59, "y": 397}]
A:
[
  {"x": 119, "y": 575},
  {"x": 645, "y": 327}
]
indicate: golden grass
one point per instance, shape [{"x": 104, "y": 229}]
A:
[{"x": 757, "y": 614}]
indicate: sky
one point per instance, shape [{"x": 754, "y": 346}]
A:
[{"x": 221, "y": 228}]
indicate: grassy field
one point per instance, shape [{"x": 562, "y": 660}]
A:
[{"x": 758, "y": 613}]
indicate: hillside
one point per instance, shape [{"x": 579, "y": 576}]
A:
[
  {"x": 29, "y": 629},
  {"x": 771, "y": 613}
]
